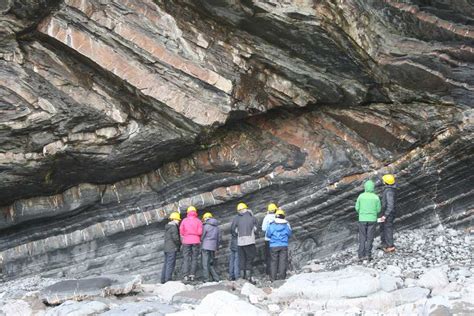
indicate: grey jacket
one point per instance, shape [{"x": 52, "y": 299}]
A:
[
  {"x": 245, "y": 225},
  {"x": 172, "y": 240},
  {"x": 210, "y": 235},
  {"x": 388, "y": 200}
]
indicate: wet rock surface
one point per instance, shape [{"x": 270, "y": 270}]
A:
[{"x": 115, "y": 113}]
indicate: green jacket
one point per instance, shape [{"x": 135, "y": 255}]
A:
[{"x": 368, "y": 203}]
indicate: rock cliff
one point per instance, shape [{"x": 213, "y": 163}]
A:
[{"x": 115, "y": 113}]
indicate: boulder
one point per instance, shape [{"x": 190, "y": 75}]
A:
[
  {"x": 169, "y": 289},
  {"x": 18, "y": 307},
  {"x": 82, "y": 289},
  {"x": 437, "y": 306},
  {"x": 389, "y": 283},
  {"x": 195, "y": 296},
  {"x": 73, "y": 308},
  {"x": 222, "y": 303},
  {"x": 254, "y": 294},
  {"x": 350, "y": 282},
  {"x": 379, "y": 301},
  {"x": 140, "y": 308},
  {"x": 433, "y": 278},
  {"x": 409, "y": 295}
]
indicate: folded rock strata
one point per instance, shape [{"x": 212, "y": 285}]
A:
[{"x": 115, "y": 113}]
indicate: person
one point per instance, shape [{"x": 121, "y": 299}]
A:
[
  {"x": 388, "y": 213},
  {"x": 269, "y": 217},
  {"x": 368, "y": 208},
  {"x": 209, "y": 243},
  {"x": 234, "y": 271},
  {"x": 172, "y": 244},
  {"x": 190, "y": 231},
  {"x": 245, "y": 225},
  {"x": 279, "y": 232}
]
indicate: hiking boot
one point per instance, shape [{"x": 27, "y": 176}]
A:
[
  {"x": 389, "y": 249},
  {"x": 361, "y": 259},
  {"x": 186, "y": 278},
  {"x": 191, "y": 278}
]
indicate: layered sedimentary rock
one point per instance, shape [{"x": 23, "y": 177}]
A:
[{"x": 115, "y": 113}]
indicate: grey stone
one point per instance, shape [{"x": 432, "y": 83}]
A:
[
  {"x": 19, "y": 307},
  {"x": 88, "y": 288},
  {"x": 433, "y": 278},
  {"x": 223, "y": 303},
  {"x": 347, "y": 283},
  {"x": 196, "y": 295},
  {"x": 389, "y": 283},
  {"x": 409, "y": 295},
  {"x": 73, "y": 308},
  {"x": 140, "y": 308},
  {"x": 167, "y": 291}
]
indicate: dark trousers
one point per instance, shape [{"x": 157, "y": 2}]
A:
[
  {"x": 267, "y": 258},
  {"x": 279, "y": 262},
  {"x": 208, "y": 265},
  {"x": 247, "y": 255},
  {"x": 168, "y": 266},
  {"x": 386, "y": 231},
  {"x": 234, "y": 271},
  {"x": 366, "y": 238},
  {"x": 190, "y": 259}
]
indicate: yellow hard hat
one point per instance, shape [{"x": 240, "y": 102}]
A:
[
  {"x": 272, "y": 207},
  {"x": 191, "y": 209},
  {"x": 241, "y": 206},
  {"x": 175, "y": 216},
  {"x": 280, "y": 212},
  {"x": 388, "y": 179},
  {"x": 206, "y": 216}
]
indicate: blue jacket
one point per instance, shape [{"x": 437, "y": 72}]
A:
[{"x": 278, "y": 232}]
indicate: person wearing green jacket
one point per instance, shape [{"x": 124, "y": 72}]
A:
[{"x": 368, "y": 207}]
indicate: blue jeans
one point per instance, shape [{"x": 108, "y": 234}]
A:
[
  {"x": 168, "y": 266},
  {"x": 234, "y": 271}
]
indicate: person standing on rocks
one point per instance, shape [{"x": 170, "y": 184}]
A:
[
  {"x": 172, "y": 245},
  {"x": 209, "y": 243},
  {"x": 245, "y": 225},
  {"x": 270, "y": 217},
  {"x": 234, "y": 270},
  {"x": 367, "y": 207},
  {"x": 190, "y": 231},
  {"x": 388, "y": 213},
  {"x": 279, "y": 232}
]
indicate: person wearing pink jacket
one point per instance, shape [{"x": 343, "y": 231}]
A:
[{"x": 190, "y": 231}]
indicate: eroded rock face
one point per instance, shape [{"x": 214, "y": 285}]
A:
[{"x": 115, "y": 113}]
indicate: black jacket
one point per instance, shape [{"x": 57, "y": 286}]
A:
[
  {"x": 389, "y": 200},
  {"x": 172, "y": 239}
]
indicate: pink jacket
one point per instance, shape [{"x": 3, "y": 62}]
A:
[{"x": 191, "y": 229}]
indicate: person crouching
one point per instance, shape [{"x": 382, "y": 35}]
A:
[
  {"x": 172, "y": 245},
  {"x": 279, "y": 232},
  {"x": 209, "y": 243}
]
